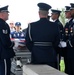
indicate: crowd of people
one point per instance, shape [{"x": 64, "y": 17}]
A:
[{"x": 47, "y": 41}]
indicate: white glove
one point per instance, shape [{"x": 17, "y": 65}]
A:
[
  {"x": 62, "y": 44},
  {"x": 18, "y": 62}
]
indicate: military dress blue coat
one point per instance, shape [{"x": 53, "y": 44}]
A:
[
  {"x": 43, "y": 31},
  {"x": 69, "y": 38},
  {"x": 6, "y": 46}
]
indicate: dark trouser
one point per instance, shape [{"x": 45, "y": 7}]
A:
[
  {"x": 66, "y": 64},
  {"x": 65, "y": 59},
  {"x": 71, "y": 67},
  {"x": 59, "y": 54},
  {"x": 5, "y": 66}
]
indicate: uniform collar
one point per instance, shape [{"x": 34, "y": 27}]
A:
[
  {"x": 69, "y": 19},
  {"x": 43, "y": 18},
  {"x": 55, "y": 20}
]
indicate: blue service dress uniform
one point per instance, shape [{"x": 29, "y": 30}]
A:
[
  {"x": 69, "y": 52},
  {"x": 6, "y": 50},
  {"x": 59, "y": 50},
  {"x": 61, "y": 28},
  {"x": 41, "y": 38},
  {"x": 18, "y": 35}
]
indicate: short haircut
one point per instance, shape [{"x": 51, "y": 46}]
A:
[{"x": 43, "y": 12}]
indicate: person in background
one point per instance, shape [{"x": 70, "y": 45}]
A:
[
  {"x": 41, "y": 38},
  {"x": 6, "y": 46},
  {"x": 69, "y": 34},
  {"x": 18, "y": 34},
  {"x": 12, "y": 28},
  {"x": 55, "y": 17}
]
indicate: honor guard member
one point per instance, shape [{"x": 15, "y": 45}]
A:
[
  {"x": 70, "y": 42},
  {"x": 18, "y": 34},
  {"x": 66, "y": 34},
  {"x": 72, "y": 9},
  {"x": 55, "y": 17},
  {"x": 41, "y": 38},
  {"x": 6, "y": 46}
]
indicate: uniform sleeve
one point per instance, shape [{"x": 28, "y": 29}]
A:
[
  {"x": 57, "y": 36},
  {"x": 72, "y": 40},
  {"x": 5, "y": 38},
  {"x": 61, "y": 31},
  {"x": 29, "y": 42}
]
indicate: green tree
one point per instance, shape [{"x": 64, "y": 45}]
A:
[{"x": 62, "y": 17}]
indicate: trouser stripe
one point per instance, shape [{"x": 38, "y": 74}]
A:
[{"x": 5, "y": 66}]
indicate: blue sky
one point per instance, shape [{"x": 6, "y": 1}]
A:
[{"x": 26, "y": 11}]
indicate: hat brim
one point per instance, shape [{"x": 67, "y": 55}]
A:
[
  {"x": 44, "y": 6},
  {"x": 67, "y": 10},
  {"x": 71, "y": 8},
  {"x": 5, "y": 11}
]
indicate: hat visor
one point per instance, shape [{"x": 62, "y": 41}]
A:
[
  {"x": 5, "y": 11},
  {"x": 54, "y": 13},
  {"x": 71, "y": 8},
  {"x": 67, "y": 10}
]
